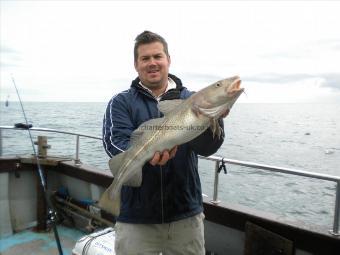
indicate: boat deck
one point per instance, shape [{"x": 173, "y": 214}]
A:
[{"x": 39, "y": 243}]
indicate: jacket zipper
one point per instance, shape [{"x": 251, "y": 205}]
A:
[
  {"x": 161, "y": 177},
  {"x": 162, "y": 200},
  {"x": 147, "y": 93}
]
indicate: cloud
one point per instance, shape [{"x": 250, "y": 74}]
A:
[
  {"x": 7, "y": 65},
  {"x": 330, "y": 80},
  {"x": 9, "y": 57},
  {"x": 277, "y": 78},
  {"x": 333, "y": 44},
  {"x": 4, "y": 49},
  {"x": 289, "y": 54},
  {"x": 305, "y": 50},
  {"x": 202, "y": 77}
]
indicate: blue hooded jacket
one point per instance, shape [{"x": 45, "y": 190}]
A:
[{"x": 170, "y": 192}]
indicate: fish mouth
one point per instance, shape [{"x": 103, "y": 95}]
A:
[{"x": 235, "y": 86}]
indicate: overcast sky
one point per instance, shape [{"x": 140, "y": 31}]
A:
[{"x": 284, "y": 51}]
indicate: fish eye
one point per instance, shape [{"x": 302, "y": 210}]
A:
[{"x": 218, "y": 85}]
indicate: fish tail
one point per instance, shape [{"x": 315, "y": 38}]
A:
[{"x": 110, "y": 205}]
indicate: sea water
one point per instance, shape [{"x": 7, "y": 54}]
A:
[{"x": 300, "y": 136}]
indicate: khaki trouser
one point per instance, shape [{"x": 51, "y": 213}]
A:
[{"x": 179, "y": 237}]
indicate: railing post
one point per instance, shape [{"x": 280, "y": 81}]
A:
[
  {"x": 77, "y": 160},
  {"x": 42, "y": 146},
  {"x": 0, "y": 142},
  {"x": 215, "y": 195},
  {"x": 335, "y": 230}
]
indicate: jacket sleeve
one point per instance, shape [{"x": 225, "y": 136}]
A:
[
  {"x": 117, "y": 126},
  {"x": 205, "y": 144}
]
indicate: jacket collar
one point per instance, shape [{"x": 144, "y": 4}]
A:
[{"x": 170, "y": 94}]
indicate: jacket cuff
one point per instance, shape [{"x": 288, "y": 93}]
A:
[{"x": 205, "y": 144}]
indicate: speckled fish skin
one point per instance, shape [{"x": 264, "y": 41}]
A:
[{"x": 183, "y": 121}]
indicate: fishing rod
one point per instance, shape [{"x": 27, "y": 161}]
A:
[{"x": 52, "y": 215}]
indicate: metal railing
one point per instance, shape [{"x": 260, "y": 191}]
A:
[
  {"x": 325, "y": 177},
  {"x": 77, "y": 135},
  {"x": 218, "y": 161}
]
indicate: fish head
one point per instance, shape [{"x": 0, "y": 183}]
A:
[{"x": 214, "y": 100}]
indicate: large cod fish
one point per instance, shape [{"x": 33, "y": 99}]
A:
[{"x": 183, "y": 121}]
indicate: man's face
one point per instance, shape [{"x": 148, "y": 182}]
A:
[{"x": 152, "y": 65}]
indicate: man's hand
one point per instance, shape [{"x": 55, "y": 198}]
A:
[{"x": 162, "y": 158}]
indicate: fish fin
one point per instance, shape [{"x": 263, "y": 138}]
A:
[
  {"x": 110, "y": 205},
  {"x": 135, "y": 135},
  {"x": 115, "y": 164},
  {"x": 167, "y": 106},
  {"x": 215, "y": 128}
]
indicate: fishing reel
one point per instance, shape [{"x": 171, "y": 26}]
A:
[
  {"x": 51, "y": 217},
  {"x": 223, "y": 167}
]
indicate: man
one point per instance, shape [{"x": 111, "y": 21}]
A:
[{"x": 165, "y": 214}]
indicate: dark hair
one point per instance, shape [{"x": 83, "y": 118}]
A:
[{"x": 149, "y": 37}]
